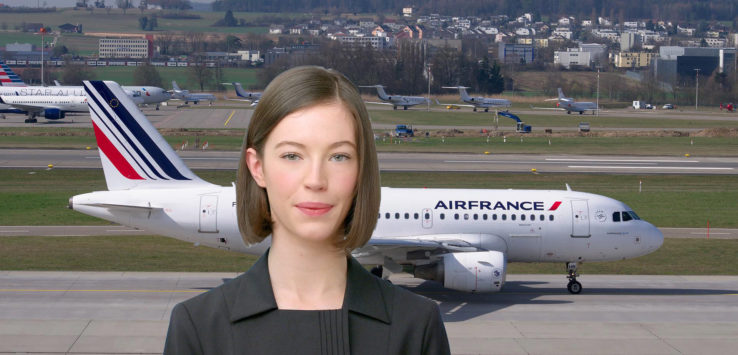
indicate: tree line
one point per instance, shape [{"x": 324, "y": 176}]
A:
[
  {"x": 403, "y": 70},
  {"x": 680, "y": 10}
]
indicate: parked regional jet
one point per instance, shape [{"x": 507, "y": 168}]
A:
[
  {"x": 186, "y": 96},
  {"x": 248, "y": 96},
  {"x": 12, "y": 84},
  {"x": 396, "y": 100},
  {"x": 478, "y": 102},
  {"x": 50, "y": 107},
  {"x": 568, "y": 104},
  {"x": 463, "y": 238}
]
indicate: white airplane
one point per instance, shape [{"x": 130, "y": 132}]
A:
[
  {"x": 569, "y": 105},
  {"x": 248, "y": 96},
  {"x": 396, "y": 100},
  {"x": 462, "y": 238},
  {"x": 12, "y": 84},
  {"x": 50, "y": 107},
  {"x": 478, "y": 101},
  {"x": 186, "y": 96}
]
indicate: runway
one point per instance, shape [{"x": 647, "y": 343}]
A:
[
  {"x": 422, "y": 162},
  {"x": 115, "y": 312}
]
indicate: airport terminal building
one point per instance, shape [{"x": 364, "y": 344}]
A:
[{"x": 678, "y": 65}]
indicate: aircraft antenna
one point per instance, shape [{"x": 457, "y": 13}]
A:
[{"x": 568, "y": 188}]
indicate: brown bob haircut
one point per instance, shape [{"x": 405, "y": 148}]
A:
[{"x": 291, "y": 91}]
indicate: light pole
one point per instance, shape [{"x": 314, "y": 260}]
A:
[
  {"x": 43, "y": 31},
  {"x": 696, "y": 88},
  {"x": 598, "y": 92},
  {"x": 429, "y": 82}
]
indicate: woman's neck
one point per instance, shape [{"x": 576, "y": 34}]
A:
[{"x": 307, "y": 276}]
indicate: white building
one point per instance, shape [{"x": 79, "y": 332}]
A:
[
  {"x": 608, "y": 34},
  {"x": 124, "y": 48},
  {"x": 628, "y": 40},
  {"x": 563, "y": 32},
  {"x": 522, "y": 31},
  {"x": 717, "y": 42},
  {"x": 250, "y": 55},
  {"x": 564, "y": 21},
  {"x": 573, "y": 56}
]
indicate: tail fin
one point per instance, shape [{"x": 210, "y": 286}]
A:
[
  {"x": 380, "y": 92},
  {"x": 245, "y": 94},
  {"x": 8, "y": 77},
  {"x": 175, "y": 86},
  {"x": 133, "y": 154},
  {"x": 561, "y": 94},
  {"x": 464, "y": 94}
]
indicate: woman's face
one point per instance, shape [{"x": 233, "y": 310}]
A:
[{"x": 309, "y": 167}]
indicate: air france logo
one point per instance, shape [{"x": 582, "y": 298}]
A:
[{"x": 496, "y": 205}]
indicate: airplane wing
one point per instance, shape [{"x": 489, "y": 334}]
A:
[
  {"x": 27, "y": 108},
  {"x": 435, "y": 244},
  {"x": 379, "y": 103}
]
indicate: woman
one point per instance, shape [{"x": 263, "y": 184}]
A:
[{"x": 309, "y": 178}]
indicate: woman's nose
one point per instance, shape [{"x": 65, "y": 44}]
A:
[{"x": 315, "y": 178}]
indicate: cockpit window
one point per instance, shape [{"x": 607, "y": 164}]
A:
[
  {"x": 626, "y": 216},
  {"x": 633, "y": 215},
  {"x": 616, "y": 216}
]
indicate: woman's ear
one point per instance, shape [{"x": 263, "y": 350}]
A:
[{"x": 256, "y": 166}]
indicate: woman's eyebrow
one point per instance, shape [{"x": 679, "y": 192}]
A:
[{"x": 300, "y": 145}]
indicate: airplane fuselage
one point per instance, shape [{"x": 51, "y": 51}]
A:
[{"x": 527, "y": 225}]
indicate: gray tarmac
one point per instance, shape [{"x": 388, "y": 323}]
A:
[
  {"x": 127, "y": 313},
  {"x": 424, "y": 162}
]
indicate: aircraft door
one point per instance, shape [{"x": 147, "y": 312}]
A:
[
  {"x": 427, "y": 218},
  {"x": 580, "y": 219},
  {"x": 208, "y": 214}
]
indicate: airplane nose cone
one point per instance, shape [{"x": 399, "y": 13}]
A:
[{"x": 655, "y": 238}]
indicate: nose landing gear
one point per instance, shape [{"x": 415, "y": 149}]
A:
[{"x": 574, "y": 286}]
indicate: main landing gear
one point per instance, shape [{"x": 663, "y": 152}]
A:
[{"x": 574, "y": 286}]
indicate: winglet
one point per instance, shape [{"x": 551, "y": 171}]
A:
[{"x": 133, "y": 153}]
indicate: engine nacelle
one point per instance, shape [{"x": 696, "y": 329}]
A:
[
  {"x": 53, "y": 114},
  {"x": 482, "y": 271}
]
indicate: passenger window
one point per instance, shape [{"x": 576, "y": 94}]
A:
[
  {"x": 443, "y": 216},
  {"x": 407, "y": 215},
  {"x": 379, "y": 216},
  {"x": 532, "y": 217},
  {"x": 542, "y": 218},
  {"x": 627, "y": 217},
  {"x": 387, "y": 215},
  {"x": 484, "y": 216},
  {"x": 466, "y": 216},
  {"x": 494, "y": 216},
  {"x": 456, "y": 216},
  {"x": 551, "y": 217},
  {"x": 616, "y": 216},
  {"x": 504, "y": 217},
  {"x": 512, "y": 217},
  {"x": 416, "y": 216},
  {"x": 397, "y": 215},
  {"x": 476, "y": 217},
  {"x": 522, "y": 217}
]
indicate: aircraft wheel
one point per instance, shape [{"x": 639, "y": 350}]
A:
[
  {"x": 475, "y": 109},
  {"x": 394, "y": 107},
  {"x": 574, "y": 287},
  {"x": 580, "y": 112},
  {"x": 157, "y": 107},
  {"x": 405, "y": 108},
  {"x": 568, "y": 112},
  {"x": 486, "y": 110},
  {"x": 377, "y": 271}
]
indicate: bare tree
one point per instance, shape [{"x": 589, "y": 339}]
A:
[{"x": 200, "y": 73}]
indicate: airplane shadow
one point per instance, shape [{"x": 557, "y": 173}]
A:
[{"x": 459, "y": 306}]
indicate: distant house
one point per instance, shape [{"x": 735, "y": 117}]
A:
[
  {"x": 276, "y": 29},
  {"x": 32, "y": 27}
]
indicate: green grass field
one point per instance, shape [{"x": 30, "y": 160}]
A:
[
  {"x": 124, "y": 76},
  {"x": 40, "y": 196},
  {"x": 152, "y": 253},
  {"x": 115, "y": 21}
]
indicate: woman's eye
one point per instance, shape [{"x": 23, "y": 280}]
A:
[
  {"x": 340, "y": 157},
  {"x": 290, "y": 156}
]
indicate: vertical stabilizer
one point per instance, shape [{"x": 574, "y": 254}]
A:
[
  {"x": 8, "y": 77},
  {"x": 464, "y": 95},
  {"x": 175, "y": 86},
  {"x": 133, "y": 153},
  {"x": 380, "y": 92},
  {"x": 561, "y": 94}
]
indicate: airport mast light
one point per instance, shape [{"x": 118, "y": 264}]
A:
[
  {"x": 696, "y": 87},
  {"x": 598, "y": 91}
]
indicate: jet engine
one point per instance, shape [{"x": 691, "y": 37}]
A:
[
  {"x": 482, "y": 271},
  {"x": 53, "y": 114}
]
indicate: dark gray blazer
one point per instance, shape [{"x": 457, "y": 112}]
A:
[{"x": 382, "y": 318}]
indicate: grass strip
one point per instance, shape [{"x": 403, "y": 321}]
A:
[{"x": 153, "y": 253}]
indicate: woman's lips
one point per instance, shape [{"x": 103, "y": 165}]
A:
[{"x": 314, "y": 208}]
